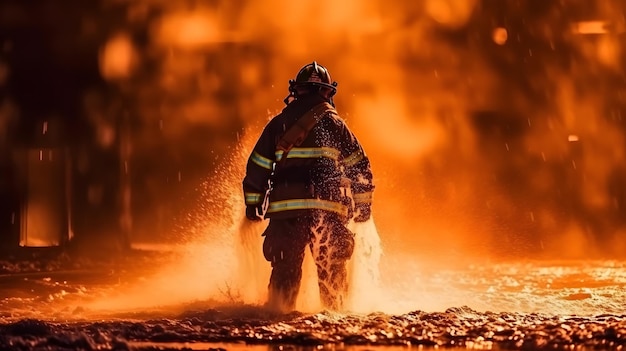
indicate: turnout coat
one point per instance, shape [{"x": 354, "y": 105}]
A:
[{"x": 320, "y": 173}]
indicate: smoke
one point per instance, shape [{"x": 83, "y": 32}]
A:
[
  {"x": 493, "y": 128},
  {"x": 193, "y": 79}
]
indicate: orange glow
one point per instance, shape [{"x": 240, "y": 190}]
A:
[
  {"x": 478, "y": 150},
  {"x": 419, "y": 136},
  {"x": 188, "y": 29},
  {"x": 500, "y": 35},
  {"x": 591, "y": 27},
  {"x": 117, "y": 58},
  {"x": 43, "y": 210},
  {"x": 452, "y": 13}
]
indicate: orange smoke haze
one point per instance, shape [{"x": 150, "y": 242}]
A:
[
  {"x": 494, "y": 128},
  {"x": 464, "y": 107}
]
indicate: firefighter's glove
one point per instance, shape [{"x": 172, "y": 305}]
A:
[
  {"x": 363, "y": 212},
  {"x": 253, "y": 213}
]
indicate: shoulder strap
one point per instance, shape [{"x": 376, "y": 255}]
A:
[{"x": 295, "y": 135}]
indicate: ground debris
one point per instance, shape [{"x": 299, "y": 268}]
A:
[{"x": 453, "y": 328}]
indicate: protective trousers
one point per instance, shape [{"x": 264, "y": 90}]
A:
[{"x": 331, "y": 245}]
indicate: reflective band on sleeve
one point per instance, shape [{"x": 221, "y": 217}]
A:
[
  {"x": 252, "y": 198},
  {"x": 313, "y": 152},
  {"x": 261, "y": 161},
  {"x": 353, "y": 159},
  {"x": 279, "y": 155},
  {"x": 363, "y": 198},
  {"x": 303, "y": 204}
]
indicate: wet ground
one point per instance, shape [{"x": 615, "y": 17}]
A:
[
  {"x": 456, "y": 327},
  {"x": 49, "y": 304}
]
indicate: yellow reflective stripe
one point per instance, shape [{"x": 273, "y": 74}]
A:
[
  {"x": 362, "y": 198},
  {"x": 353, "y": 159},
  {"x": 279, "y": 155},
  {"x": 310, "y": 152},
  {"x": 261, "y": 161},
  {"x": 304, "y": 204},
  {"x": 314, "y": 153},
  {"x": 252, "y": 198}
]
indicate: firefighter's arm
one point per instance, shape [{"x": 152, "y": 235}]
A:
[
  {"x": 362, "y": 189},
  {"x": 357, "y": 168},
  {"x": 258, "y": 171}
]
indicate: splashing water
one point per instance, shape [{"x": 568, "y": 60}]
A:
[
  {"x": 222, "y": 259},
  {"x": 365, "y": 292},
  {"x": 363, "y": 270},
  {"x": 253, "y": 270}
]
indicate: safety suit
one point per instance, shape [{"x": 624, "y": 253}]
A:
[{"x": 311, "y": 194}]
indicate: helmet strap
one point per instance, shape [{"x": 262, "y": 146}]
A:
[{"x": 293, "y": 95}]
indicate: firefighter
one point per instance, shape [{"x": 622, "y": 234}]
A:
[{"x": 308, "y": 175}]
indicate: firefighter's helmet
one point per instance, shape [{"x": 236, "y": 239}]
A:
[{"x": 313, "y": 75}]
